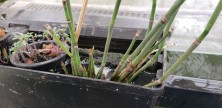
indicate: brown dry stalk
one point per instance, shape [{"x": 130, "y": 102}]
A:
[{"x": 81, "y": 19}]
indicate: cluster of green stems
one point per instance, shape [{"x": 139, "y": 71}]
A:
[{"x": 131, "y": 65}]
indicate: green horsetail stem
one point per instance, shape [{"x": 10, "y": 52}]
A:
[
  {"x": 116, "y": 72},
  {"x": 194, "y": 45},
  {"x": 169, "y": 24},
  {"x": 152, "y": 15},
  {"x": 91, "y": 69},
  {"x": 49, "y": 29},
  {"x": 149, "y": 63},
  {"x": 133, "y": 74},
  {"x": 108, "y": 40},
  {"x": 167, "y": 32},
  {"x": 149, "y": 44},
  {"x": 160, "y": 25},
  {"x": 61, "y": 46},
  {"x": 64, "y": 68},
  {"x": 75, "y": 60},
  {"x": 84, "y": 71},
  {"x": 127, "y": 74},
  {"x": 73, "y": 38},
  {"x": 123, "y": 74}
]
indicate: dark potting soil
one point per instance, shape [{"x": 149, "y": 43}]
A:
[{"x": 113, "y": 60}]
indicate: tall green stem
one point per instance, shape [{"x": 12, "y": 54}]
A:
[
  {"x": 130, "y": 67},
  {"x": 57, "y": 40},
  {"x": 149, "y": 44},
  {"x": 149, "y": 63},
  {"x": 160, "y": 25},
  {"x": 161, "y": 42},
  {"x": 195, "y": 44},
  {"x": 91, "y": 69},
  {"x": 109, "y": 36},
  {"x": 75, "y": 61},
  {"x": 64, "y": 68},
  {"x": 152, "y": 15}
]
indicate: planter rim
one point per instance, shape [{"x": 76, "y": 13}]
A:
[
  {"x": 60, "y": 76},
  {"x": 201, "y": 85}
]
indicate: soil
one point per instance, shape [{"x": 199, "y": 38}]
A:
[{"x": 113, "y": 59}]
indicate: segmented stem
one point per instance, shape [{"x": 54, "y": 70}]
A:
[
  {"x": 116, "y": 72},
  {"x": 109, "y": 36},
  {"x": 152, "y": 15}
]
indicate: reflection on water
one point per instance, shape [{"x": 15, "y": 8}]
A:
[{"x": 198, "y": 65}]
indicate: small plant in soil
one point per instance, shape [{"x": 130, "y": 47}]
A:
[
  {"x": 30, "y": 54},
  {"x": 21, "y": 40},
  {"x": 33, "y": 50}
]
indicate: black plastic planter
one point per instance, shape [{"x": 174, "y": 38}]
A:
[
  {"x": 45, "y": 65},
  {"x": 23, "y": 88}
]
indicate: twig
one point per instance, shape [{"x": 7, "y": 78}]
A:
[{"x": 81, "y": 19}]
